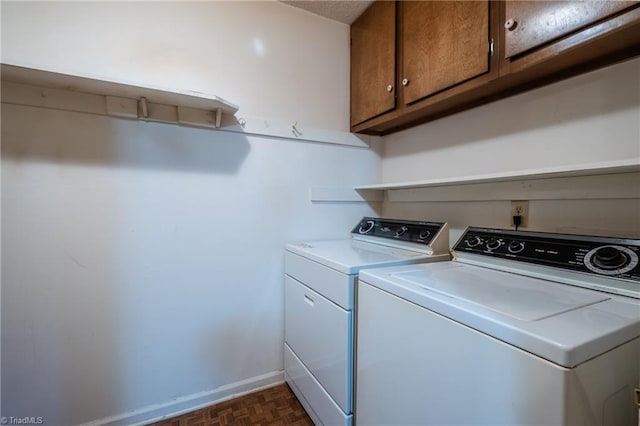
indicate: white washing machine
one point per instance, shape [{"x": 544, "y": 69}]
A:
[
  {"x": 320, "y": 300},
  {"x": 521, "y": 328}
]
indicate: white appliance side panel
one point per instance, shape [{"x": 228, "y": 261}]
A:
[
  {"x": 333, "y": 285},
  {"x": 416, "y": 367},
  {"x": 603, "y": 389},
  {"x": 320, "y": 333},
  {"x": 322, "y": 405}
]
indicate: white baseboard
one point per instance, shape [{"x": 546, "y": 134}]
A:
[{"x": 185, "y": 404}]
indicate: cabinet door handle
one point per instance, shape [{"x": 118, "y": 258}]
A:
[
  {"x": 510, "y": 24},
  {"x": 389, "y": 88},
  {"x": 405, "y": 81},
  {"x": 309, "y": 300}
]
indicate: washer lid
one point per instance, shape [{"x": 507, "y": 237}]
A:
[
  {"x": 564, "y": 324},
  {"x": 526, "y": 299},
  {"x": 349, "y": 256}
]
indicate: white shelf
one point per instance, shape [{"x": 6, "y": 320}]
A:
[
  {"x": 604, "y": 180},
  {"x": 124, "y": 99},
  {"x": 90, "y": 94},
  {"x": 603, "y": 168}
]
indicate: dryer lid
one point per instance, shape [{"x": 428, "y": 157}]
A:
[{"x": 350, "y": 256}]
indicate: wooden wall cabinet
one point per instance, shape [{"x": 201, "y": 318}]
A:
[
  {"x": 531, "y": 24},
  {"x": 373, "y": 62},
  {"x": 448, "y": 56},
  {"x": 545, "y": 41},
  {"x": 443, "y": 44},
  {"x": 435, "y": 46}
]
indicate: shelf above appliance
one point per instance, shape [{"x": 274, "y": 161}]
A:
[
  {"x": 610, "y": 179},
  {"x": 104, "y": 96}
]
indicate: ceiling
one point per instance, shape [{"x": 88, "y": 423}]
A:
[{"x": 345, "y": 11}]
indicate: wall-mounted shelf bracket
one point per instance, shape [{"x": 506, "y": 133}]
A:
[
  {"x": 143, "y": 108},
  {"x": 218, "y": 117}
]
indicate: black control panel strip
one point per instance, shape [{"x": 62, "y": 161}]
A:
[
  {"x": 400, "y": 230},
  {"x": 611, "y": 257}
]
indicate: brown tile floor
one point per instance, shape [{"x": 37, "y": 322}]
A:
[{"x": 273, "y": 406}]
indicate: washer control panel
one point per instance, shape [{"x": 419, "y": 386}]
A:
[
  {"x": 403, "y": 230},
  {"x": 613, "y": 257}
]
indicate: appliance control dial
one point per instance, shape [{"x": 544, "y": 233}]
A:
[
  {"x": 494, "y": 243},
  {"x": 366, "y": 227},
  {"x": 424, "y": 235},
  {"x": 611, "y": 260},
  {"x": 473, "y": 241},
  {"x": 515, "y": 246},
  {"x": 401, "y": 231}
]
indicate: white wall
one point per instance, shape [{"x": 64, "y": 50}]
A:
[
  {"x": 590, "y": 118},
  {"x": 265, "y": 56},
  {"x": 143, "y": 262}
]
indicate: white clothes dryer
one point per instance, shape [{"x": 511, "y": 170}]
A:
[
  {"x": 521, "y": 328},
  {"x": 320, "y": 300}
]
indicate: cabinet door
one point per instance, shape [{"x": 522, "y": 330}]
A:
[
  {"x": 373, "y": 52},
  {"x": 444, "y": 43},
  {"x": 530, "y": 24}
]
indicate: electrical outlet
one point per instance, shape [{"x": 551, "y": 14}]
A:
[{"x": 520, "y": 208}]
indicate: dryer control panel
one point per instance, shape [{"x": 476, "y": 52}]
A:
[
  {"x": 402, "y": 230},
  {"x": 611, "y": 257}
]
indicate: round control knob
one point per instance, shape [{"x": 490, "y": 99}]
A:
[
  {"x": 515, "y": 246},
  {"x": 609, "y": 257},
  {"x": 389, "y": 88},
  {"x": 510, "y": 24},
  {"x": 366, "y": 227},
  {"x": 493, "y": 244},
  {"x": 611, "y": 260},
  {"x": 473, "y": 241},
  {"x": 401, "y": 231},
  {"x": 424, "y": 235}
]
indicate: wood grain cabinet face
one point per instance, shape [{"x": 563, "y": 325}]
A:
[
  {"x": 530, "y": 24},
  {"x": 436, "y": 56},
  {"x": 373, "y": 67},
  {"x": 443, "y": 44}
]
